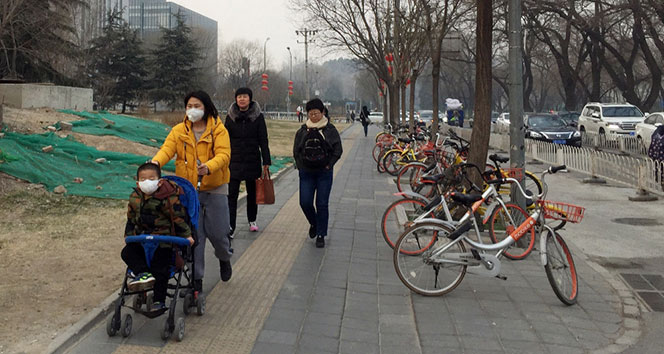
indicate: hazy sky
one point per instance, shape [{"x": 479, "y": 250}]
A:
[{"x": 254, "y": 20}]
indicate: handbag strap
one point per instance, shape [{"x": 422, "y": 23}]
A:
[{"x": 266, "y": 172}]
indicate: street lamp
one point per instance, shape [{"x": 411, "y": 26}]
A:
[
  {"x": 265, "y": 53},
  {"x": 290, "y": 80}
]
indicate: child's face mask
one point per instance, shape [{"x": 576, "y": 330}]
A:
[
  {"x": 148, "y": 186},
  {"x": 195, "y": 114}
]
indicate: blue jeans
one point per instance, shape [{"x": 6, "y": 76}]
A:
[{"x": 320, "y": 184}]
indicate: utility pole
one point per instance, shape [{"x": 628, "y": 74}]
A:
[
  {"x": 306, "y": 33},
  {"x": 290, "y": 80},
  {"x": 517, "y": 131}
]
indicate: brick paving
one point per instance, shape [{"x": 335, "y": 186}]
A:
[{"x": 287, "y": 296}]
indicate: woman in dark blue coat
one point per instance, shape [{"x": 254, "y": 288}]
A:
[{"x": 249, "y": 150}]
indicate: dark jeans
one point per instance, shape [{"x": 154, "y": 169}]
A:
[
  {"x": 318, "y": 183},
  {"x": 234, "y": 191},
  {"x": 366, "y": 127},
  {"x": 134, "y": 256}
]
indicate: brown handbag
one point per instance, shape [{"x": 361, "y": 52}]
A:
[{"x": 265, "y": 188}]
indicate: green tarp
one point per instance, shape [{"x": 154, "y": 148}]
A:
[
  {"x": 142, "y": 131},
  {"x": 21, "y": 156}
]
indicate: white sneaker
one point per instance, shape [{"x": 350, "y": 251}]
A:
[{"x": 253, "y": 227}]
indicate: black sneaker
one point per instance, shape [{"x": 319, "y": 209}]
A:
[
  {"x": 225, "y": 270},
  {"x": 320, "y": 241},
  {"x": 312, "y": 231}
]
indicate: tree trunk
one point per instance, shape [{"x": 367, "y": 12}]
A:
[
  {"x": 413, "y": 80},
  {"x": 435, "y": 78},
  {"x": 124, "y": 106},
  {"x": 479, "y": 141},
  {"x": 393, "y": 95},
  {"x": 404, "y": 119}
]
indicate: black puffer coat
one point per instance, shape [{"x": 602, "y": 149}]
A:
[{"x": 249, "y": 143}]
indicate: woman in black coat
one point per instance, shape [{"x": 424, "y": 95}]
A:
[{"x": 249, "y": 145}]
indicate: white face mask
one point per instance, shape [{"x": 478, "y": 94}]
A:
[
  {"x": 148, "y": 186},
  {"x": 195, "y": 114}
]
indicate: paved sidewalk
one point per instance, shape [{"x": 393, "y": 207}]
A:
[{"x": 287, "y": 296}]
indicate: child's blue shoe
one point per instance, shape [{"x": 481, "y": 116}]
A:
[
  {"x": 141, "y": 282},
  {"x": 157, "y": 306}
]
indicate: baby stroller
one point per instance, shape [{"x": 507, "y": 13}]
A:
[{"x": 182, "y": 266}]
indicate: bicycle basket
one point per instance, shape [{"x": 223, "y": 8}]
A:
[{"x": 562, "y": 211}]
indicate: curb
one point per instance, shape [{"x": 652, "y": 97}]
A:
[
  {"x": 71, "y": 335},
  {"x": 631, "y": 311}
]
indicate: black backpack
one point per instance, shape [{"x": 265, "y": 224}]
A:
[{"x": 315, "y": 152}]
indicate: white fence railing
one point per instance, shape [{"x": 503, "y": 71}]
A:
[
  {"x": 281, "y": 115},
  {"x": 639, "y": 172}
]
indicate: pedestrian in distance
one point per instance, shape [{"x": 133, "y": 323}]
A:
[
  {"x": 364, "y": 119},
  {"x": 352, "y": 116},
  {"x": 316, "y": 148},
  {"x": 249, "y": 151},
  {"x": 656, "y": 151},
  {"x": 202, "y": 151},
  {"x": 298, "y": 110}
]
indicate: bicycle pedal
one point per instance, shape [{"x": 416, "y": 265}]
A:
[{"x": 502, "y": 277}]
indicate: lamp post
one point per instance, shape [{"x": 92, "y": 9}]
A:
[
  {"x": 265, "y": 53},
  {"x": 290, "y": 80}
]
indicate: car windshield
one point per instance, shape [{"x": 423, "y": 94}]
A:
[
  {"x": 571, "y": 117},
  {"x": 545, "y": 122},
  {"x": 621, "y": 112}
]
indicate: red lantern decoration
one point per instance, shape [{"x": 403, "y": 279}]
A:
[
  {"x": 264, "y": 76},
  {"x": 408, "y": 82},
  {"x": 389, "y": 70},
  {"x": 264, "y": 88},
  {"x": 290, "y": 93},
  {"x": 380, "y": 94},
  {"x": 290, "y": 83},
  {"x": 264, "y": 82}
]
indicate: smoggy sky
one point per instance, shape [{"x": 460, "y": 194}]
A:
[{"x": 256, "y": 20}]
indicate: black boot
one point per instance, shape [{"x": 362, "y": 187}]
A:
[{"x": 225, "y": 270}]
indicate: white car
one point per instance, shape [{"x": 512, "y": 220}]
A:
[
  {"x": 376, "y": 117},
  {"x": 503, "y": 124},
  {"x": 644, "y": 130},
  {"x": 610, "y": 120}
]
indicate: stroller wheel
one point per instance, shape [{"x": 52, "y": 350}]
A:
[
  {"x": 125, "y": 330},
  {"x": 179, "y": 326},
  {"x": 186, "y": 304},
  {"x": 166, "y": 331},
  {"x": 149, "y": 301},
  {"x": 111, "y": 326},
  {"x": 200, "y": 305}
]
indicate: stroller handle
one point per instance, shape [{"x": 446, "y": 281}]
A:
[{"x": 180, "y": 241}]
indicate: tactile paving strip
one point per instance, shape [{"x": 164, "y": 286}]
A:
[{"x": 235, "y": 311}]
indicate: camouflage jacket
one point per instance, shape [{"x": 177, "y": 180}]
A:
[{"x": 158, "y": 214}]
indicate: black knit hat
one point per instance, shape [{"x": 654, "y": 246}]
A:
[
  {"x": 244, "y": 91},
  {"x": 316, "y": 103}
]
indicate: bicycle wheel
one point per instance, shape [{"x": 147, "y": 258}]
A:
[
  {"x": 416, "y": 267},
  {"x": 398, "y": 217},
  {"x": 502, "y": 222},
  {"x": 379, "y": 164},
  {"x": 427, "y": 189},
  {"x": 376, "y": 152},
  {"x": 532, "y": 183},
  {"x": 409, "y": 176},
  {"x": 560, "y": 269},
  {"x": 390, "y": 162}
]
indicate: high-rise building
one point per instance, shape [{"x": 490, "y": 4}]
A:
[{"x": 148, "y": 17}]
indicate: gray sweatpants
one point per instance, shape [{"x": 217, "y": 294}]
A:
[{"x": 214, "y": 225}]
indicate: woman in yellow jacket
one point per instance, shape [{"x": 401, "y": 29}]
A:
[{"x": 202, "y": 151}]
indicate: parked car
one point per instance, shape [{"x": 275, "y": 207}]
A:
[
  {"x": 645, "y": 129},
  {"x": 610, "y": 120},
  {"x": 572, "y": 118},
  {"x": 426, "y": 116},
  {"x": 376, "y": 117},
  {"x": 502, "y": 123},
  {"x": 551, "y": 128}
]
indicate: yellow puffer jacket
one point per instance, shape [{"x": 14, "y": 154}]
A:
[{"x": 182, "y": 142}]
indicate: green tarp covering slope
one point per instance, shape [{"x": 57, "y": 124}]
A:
[
  {"x": 21, "y": 156},
  {"x": 142, "y": 131}
]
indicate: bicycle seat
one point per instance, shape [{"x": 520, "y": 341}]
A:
[
  {"x": 405, "y": 140},
  {"x": 497, "y": 158},
  {"x": 434, "y": 178},
  {"x": 466, "y": 199}
]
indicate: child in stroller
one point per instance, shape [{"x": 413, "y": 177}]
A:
[{"x": 158, "y": 206}]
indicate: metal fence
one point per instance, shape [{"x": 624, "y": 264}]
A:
[{"x": 639, "y": 172}]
